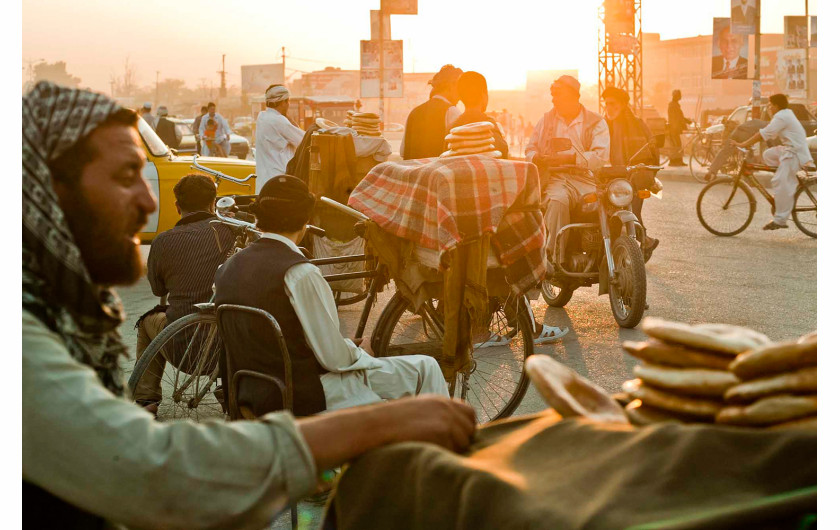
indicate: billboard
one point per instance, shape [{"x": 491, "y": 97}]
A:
[
  {"x": 729, "y": 52},
  {"x": 796, "y": 32},
  {"x": 393, "y": 69},
  {"x": 743, "y": 17},
  {"x": 790, "y": 72},
  {"x": 257, "y": 77},
  {"x": 620, "y": 16}
]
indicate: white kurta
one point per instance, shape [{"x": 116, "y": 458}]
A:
[
  {"x": 276, "y": 141},
  {"x": 355, "y": 377},
  {"x": 789, "y": 157}
]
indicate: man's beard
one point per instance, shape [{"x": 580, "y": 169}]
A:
[{"x": 110, "y": 255}]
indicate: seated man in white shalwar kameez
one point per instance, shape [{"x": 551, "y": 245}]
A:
[{"x": 329, "y": 371}]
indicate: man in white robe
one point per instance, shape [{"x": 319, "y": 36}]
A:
[{"x": 277, "y": 138}]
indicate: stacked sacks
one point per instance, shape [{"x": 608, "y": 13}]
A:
[
  {"x": 364, "y": 123},
  {"x": 685, "y": 373},
  {"x": 779, "y": 387},
  {"x": 471, "y": 139}
]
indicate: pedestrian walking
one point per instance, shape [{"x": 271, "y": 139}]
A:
[{"x": 676, "y": 125}]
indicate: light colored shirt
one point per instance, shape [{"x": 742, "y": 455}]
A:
[
  {"x": 110, "y": 457},
  {"x": 276, "y": 141},
  {"x": 594, "y": 158},
  {"x": 346, "y": 384},
  {"x": 786, "y": 128},
  {"x": 222, "y": 128}
]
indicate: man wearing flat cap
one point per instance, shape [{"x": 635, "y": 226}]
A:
[
  {"x": 276, "y": 136},
  {"x": 590, "y": 137},
  {"x": 329, "y": 371},
  {"x": 166, "y": 128},
  {"x": 428, "y": 124}
]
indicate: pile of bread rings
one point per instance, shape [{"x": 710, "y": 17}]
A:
[
  {"x": 723, "y": 374},
  {"x": 471, "y": 139},
  {"x": 364, "y": 123}
]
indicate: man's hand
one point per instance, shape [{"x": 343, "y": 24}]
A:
[{"x": 336, "y": 437}]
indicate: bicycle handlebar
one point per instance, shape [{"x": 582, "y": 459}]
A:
[
  {"x": 219, "y": 174},
  {"x": 344, "y": 208}
]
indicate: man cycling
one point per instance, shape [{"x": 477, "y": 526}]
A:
[{"x": 590, "y": 137}]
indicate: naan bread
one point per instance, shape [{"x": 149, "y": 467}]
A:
[
  {"x": 656, "y": 352},
  {"x": 471, "y": 128},
  {"x": 640, "y": 414},
  {"x": 450, "y": 154},
  {"x": 471, "y": 143},
  {"x": 803, "y": 381},
  {"x": 570, "y": 394},
  {"x": 775, "y": 358},
  {"x": 692, "y": 381},
  {"x": 809, "y": 423},
  {"x": 722, "y": 338},
  {"x": 769, "y": 410},
  {"x": 683, "y": 405}
]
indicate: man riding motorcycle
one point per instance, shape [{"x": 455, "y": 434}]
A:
[{"x": 590, "y": 137}]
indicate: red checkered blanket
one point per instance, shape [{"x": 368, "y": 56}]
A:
[{"x": 440, "y": 202}]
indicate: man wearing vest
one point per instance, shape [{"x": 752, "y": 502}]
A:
[
  {"x": 330, "y": 372},
  {"x": 590, "y": 137},
  {"x": 428, "y": 124}
]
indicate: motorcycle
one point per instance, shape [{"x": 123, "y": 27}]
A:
[{"x": 605, "y": 239}]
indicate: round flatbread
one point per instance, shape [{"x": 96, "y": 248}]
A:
[
  {"x": 808, "y": 337},
  {"x": 570, "y": 394},
  {"x": 775, "y": 358},
  {"x": 461, "y": 144},
  {"x": 769, "y": 410},
  {"x": 684, "y": 405},
  {"x": 479, "y": 126},
  {"x": 451, "y": 154},
  {"x": 324, "y": 123},
  {"x": 640, "y": 414},
  {"x": 366, "y": 121},
  {"x": 809, "y": 423},
  {"x": 371, "y": 134},
  {"x": 722, "y": 338},
  {"x": 691, "y": 381},
  {"x": 484, "y": 135},
  {"x": 366, "y": 115},
  {"x": 803, "y": 381},
  {"x": 656, "y": 352},
  {"x": 365, "y": 129},
  {"x": 472, "y": 150}
]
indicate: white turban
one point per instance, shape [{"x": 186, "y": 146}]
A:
[{"x": 276, "y": 94}]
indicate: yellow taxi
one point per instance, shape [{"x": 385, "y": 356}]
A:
[{"x": 165, "y": 168}]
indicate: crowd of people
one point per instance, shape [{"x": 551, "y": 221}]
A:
[{"x": 86, "y": 449}]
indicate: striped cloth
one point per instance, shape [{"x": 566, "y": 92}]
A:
[
  {"x": 183, "y": 261},
  {"x": 438, "y": 203}
]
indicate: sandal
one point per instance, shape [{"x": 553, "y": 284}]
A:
[
  {"x": 493, "y": 340},
  {"x": 550, "y": 334}
]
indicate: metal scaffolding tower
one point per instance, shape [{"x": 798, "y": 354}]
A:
[{"x": 620, "y": 53}]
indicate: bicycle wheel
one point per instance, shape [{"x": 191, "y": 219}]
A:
[
  {"x": 343, "y": 298},
  {"x": 805, "y": 208},
  {"x": 496, "y": 381},
  {"x": 724, "y": 208},
  {"x": 556, "y": 295},
  {"x": 184, "y": 358},
  {"x": 701, "y": 158}
]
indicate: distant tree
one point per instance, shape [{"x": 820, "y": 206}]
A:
[
  {"x": 126, "y": 84},
  {"x": 56, "y": 73}
]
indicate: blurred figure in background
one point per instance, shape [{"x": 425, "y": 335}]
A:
[
  {"x": 146, "y": 114},
  {"x": 220, "y": 132},
  {"x": 472, "y": 90},
  {"x": 195, "y": 128},
  {"x": 429, "y": 122},
  {"x": 166, "y": 129},
  {"x": 276, "y": 136},
  {"x": 676, "y": 125}
]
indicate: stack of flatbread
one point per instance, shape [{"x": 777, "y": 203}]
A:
[
  {"x": 724, "y": 374},
  {"x": 778, "y": 388},
  {"x": 685, "y": 373},
  {"x": 471, "y": 139},
  {"x": 364, "y": 123}
]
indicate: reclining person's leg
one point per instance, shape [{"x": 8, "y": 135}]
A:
[
  {"x": 148, "y": 388},
  {"x": 407, "y": 375}
]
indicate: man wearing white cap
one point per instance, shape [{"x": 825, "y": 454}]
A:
[
  {"x": 590, "y": 137},
  {"x": 276, "y": 137},
  {"x": 146, "y": 114}
]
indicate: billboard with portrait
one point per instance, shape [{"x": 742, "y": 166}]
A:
[
  {"x": 729, "y": 52},
  {"x": 743, "y": 17},
  {"x": 620, "y": 16},
  {"x": 796, "y": 32},
  {"x": 790, "y": 72}
]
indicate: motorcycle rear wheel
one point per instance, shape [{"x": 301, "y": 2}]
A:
[
  {"x": 556, "y": 295},
  {"x": 628, "y": 295}
]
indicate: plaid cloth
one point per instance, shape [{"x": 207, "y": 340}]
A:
[{"x": 440, "y": 202}]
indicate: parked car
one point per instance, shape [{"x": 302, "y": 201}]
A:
[
  {"x": 165, "y": 167},
  {"x": 239, "y": 145},
  {"x": 744, "y": 113}
]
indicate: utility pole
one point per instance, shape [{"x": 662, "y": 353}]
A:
[
  {"x": 807, "y": 56},
  {"x": 222, "y": 87},
  {"x": 382, "y": 62},
  {"x": 756, "y": 95}
]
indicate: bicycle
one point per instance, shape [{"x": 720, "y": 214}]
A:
[
  {"x": 704, "y": 147},
  {"x": 186, "y": 353},
  {"x": 726, "y": 205}
]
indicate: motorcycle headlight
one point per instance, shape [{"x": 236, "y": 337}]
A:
[{"x": 620, "y": 193}]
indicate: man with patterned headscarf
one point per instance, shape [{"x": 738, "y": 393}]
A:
[
  {"x": 276, "y": 136},
  {"x": 88, "y": 453}
]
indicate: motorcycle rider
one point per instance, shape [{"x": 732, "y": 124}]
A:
[{"x": 590, "y": 137}]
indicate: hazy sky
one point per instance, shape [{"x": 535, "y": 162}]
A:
[{"x": 186, "y": 38}]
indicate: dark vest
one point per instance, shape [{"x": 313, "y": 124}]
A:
[
  {"x": 425, "y": 130},
  {"x": 254, "y": 277}
]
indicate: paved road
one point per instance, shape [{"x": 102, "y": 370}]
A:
[{"x": 763, "y": 280}]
